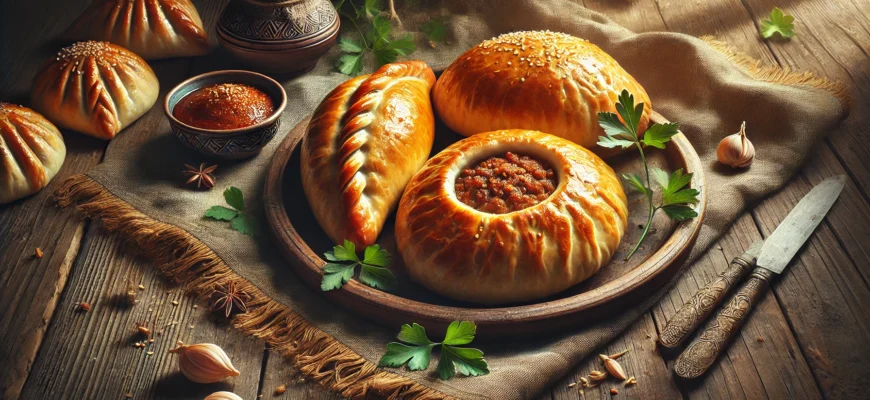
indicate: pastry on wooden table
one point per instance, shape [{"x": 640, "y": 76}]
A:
[
  {"x": 95, "y": 88},
  {"x": 31, "y": 152},
  {"x": 364, "y": 143},
  {"x": 150, "y": 28},
  {"x": 541, "y": 80},
  {"x": 510, "y": 216}
]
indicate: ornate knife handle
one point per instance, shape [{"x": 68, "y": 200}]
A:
[
  {"x": 699, "y": 307},
  {"x": 704, "y": 350}
]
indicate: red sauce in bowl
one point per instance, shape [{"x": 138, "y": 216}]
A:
[
  {"x": 500, "y": 185},
  {"x": 224, "y": 106}
]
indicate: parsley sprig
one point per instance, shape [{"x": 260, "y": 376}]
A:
[
  {"x": 417, "y": 350},
  {"x": 375, "y": 36},
  {"x": 239, "y": 219},
  {"x": 778, "y": 22},
  {"x": 675, "y": 198},
  {"x": 343, "y": 261}
]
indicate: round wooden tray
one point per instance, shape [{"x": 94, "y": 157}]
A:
[{"x": 618, "y": 285}]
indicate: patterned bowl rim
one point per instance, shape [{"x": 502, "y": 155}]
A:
[{"x": 265, "y": 80}]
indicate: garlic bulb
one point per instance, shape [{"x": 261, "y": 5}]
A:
[
  {"x": 736, "y": 150},
  {"x": 223, "y": 396},
  {"x": 204, "y": 362}
]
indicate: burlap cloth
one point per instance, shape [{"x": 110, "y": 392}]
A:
[{"x": 706, "y": 88}]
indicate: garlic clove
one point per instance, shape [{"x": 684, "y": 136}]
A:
[
  {"x": 614, "y": 367},
  {"x": 223, "y": 396},
  {"x": 204, "y": 362},
  {"x": 736, "y": 150}
]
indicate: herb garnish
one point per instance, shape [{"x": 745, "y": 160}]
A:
[
  {"x": 778, "y": 22},
  {"x": 435, "y": 30},
  {"x": 239, "y": 219},
  {"x": 375, "y": 36},
  {"x": 343, "y": 260},
  {"x": 417, "y": 351},
  {"x": 675, "y": 199}
]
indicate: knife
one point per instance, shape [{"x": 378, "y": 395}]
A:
[{"x": 775, "y": 254}]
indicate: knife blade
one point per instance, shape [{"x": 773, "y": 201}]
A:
[{"x": 776, "y": 253}]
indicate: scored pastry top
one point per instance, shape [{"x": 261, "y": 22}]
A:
[
  {"x": 364, "y": 143},
  {"x": 540, "y": 80}
]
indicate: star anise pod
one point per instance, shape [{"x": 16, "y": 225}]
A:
[
  {"x": 202, "y": 175},
  {"x": 230, "y": 298}
]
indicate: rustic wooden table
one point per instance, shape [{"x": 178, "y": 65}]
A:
[{"x": 809, "y": 338}]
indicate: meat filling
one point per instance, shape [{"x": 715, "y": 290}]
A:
[{"x": 503, "y": 184}]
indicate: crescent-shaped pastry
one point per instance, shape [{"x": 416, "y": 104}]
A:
[
  {"x": 364, "y": 143},
  {"x": 541, "y": 80},
  {"x": 31, "y": 152},
  {"x": 95, "y": 88},
  {"x": 510, "y": 216},
  {"x": 150, "y": 28}
]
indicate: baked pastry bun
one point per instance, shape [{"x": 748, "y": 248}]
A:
[
  {"x": 364, "y": 143},
  {"x": 31, "y": 152},
  {"x": 150, "y": 28},
  {"x": 95, "y": 88},
  {"x": 541, "y": 80},
  {"x": 510, "y": 216}
]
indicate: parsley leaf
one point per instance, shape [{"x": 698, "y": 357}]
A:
[
  {"x": 459, "y": 333},
  {"x": 371, "y": 8},
  {"x": 343, "y": 261},
  {"x": 414, "y": 334},
  {"x": 244, "y": 224},
  {"x": 239, "y": 220},
  {"x": 375, "y": 36},
  {"x": 614, "y": 128},
  {"x": 435, "y": 29},
  {"x": 679, "y": 212},
  {"x": 417, "y": 352},
  {"x": 350, "y": 45},
  {"x": 635, "y": 183},
  {"x": 469, "y": 362},
  {"x": 234, "y": 198},
  {"x": 398, "y": 354},
  {"x": 777, "y": 22},
  {"x": 624, "y": 133},
  {"x": 221, "y": 213},
  {"x": 376, "y": 255},
  {"x": 659, "y": 134}
]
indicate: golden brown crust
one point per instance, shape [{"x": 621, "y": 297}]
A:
[
  {"x": 150, "y": 28},
  {"x": 31, "y": 152},
  {"x": 95, "y": 88},
  {"x": 470, "y": 255},
  {"x": 364, "y": 143},
  {"x": 546, "y": 81}
]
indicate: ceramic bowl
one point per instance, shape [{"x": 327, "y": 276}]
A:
[
  {"x": 230, "y": 143},
  {"x": 278, "y": 36}
]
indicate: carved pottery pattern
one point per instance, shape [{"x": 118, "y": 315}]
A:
[
  {"x": 701, "y": 304},
  {"x": 277, "y": 23},
  {"x": 227, "y": 145},
  {"x": 701, "y": 354}
]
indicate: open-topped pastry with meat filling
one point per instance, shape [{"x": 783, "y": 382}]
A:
[{"x": 510, "y": 216}]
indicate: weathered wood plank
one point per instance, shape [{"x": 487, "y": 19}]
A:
[
  {"x": 31, "y": 287},
  {"x": 91, "y": 355},
  {"x": 826, "y": 302},
  {"x": 642, "y": 362}
]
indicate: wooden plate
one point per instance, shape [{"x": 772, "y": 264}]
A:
[{"x": 618, "y": 285}]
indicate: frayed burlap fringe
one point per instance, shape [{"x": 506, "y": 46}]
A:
[
  {"x": 775, "y": 74},
  {"x": 185, "y": 259}
]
